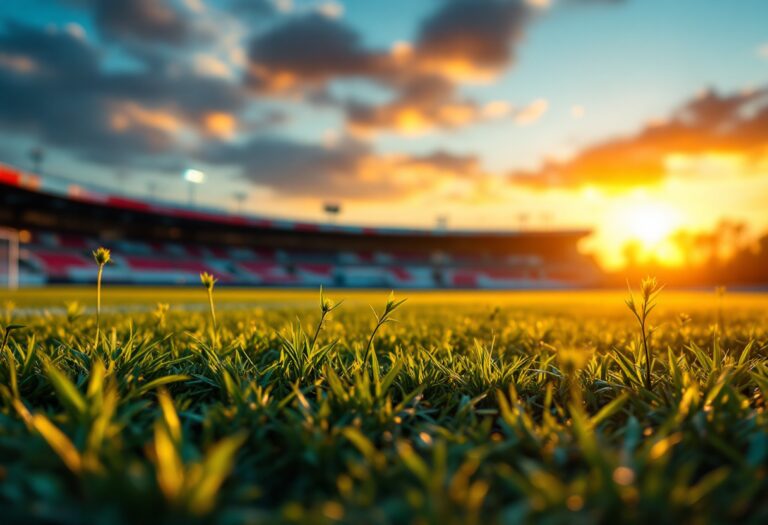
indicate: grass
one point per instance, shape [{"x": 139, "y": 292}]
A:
[{"x": 450, "y": 408}]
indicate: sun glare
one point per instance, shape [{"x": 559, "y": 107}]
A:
[{"x": 651, "y": 223}]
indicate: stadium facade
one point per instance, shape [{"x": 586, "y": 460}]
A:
[{"x": 60, "y": 223}]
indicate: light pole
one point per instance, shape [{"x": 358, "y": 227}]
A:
[
  {"x": 193, "y": 178},
  {"x": 240, "y": 198},
  {"x": 332, "y": 209},
  {"x": 37, "y": 155},
  {"x": 152, "y": 190}
]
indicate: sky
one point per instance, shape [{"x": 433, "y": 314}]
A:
[{"x": 633, "y": 118}]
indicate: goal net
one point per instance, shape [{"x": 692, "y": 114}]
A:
[{"x": 9, "y": 258}]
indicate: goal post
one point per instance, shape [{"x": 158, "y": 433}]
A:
[{"x": 9, "y": 258}]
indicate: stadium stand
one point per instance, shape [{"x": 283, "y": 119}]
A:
[{"x": 161, "y": 243}]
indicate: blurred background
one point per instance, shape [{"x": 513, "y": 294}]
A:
[{"x": 398, "y": 143}]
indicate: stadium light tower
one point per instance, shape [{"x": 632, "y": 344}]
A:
[
  {"x": 193, "y": 178},
  {"x": 240, "y": 198},
  {"x": 37, "y": 155},
  {"x": 332, "y": 210}
]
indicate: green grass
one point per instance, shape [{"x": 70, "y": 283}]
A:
[{"x": 470, "y": 408}]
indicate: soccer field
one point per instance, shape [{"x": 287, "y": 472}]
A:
[
  {"x": 453, "y": 407},
  {"x": 597, "y": 301}
]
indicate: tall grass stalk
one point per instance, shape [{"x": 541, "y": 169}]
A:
[
  {"x": 385, "y": 318},
  {"x": 209, "y": 281},
  {"x": 102, "y": 256},
  {"x": 7, "y": 333},
  {"x": 650, "y": 290},
  {"x": 720, "y": 293},
  {"x": 326, "y": 307}
]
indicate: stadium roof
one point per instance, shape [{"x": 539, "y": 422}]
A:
[{"x": 64, "y": 189}]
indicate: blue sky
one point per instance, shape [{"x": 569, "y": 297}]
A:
[{"x": 399, "y": 109}]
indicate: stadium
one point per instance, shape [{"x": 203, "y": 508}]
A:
[{"x": 59, "y": 224}]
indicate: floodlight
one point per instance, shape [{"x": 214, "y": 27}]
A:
[{"x": 194, "y": 176}]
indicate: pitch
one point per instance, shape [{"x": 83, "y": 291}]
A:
[{"x": 284, "y": 406}]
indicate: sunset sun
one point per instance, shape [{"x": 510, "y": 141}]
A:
[{"x": 651, "y": 223}]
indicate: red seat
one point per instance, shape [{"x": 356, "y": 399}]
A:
[
  {"x": 219, "y": 252},
  {"x": 324, "y": 270},
  {"x": 194, "y": 251},
  {"x": 58, "y": 264},
  {"x": 73, "y": 241},
  {"x": 401, "y": 273},
  {"x": 465, "y": 279},
  {"x": 506, "y": 273},
  {"x": 268, "y": 273},
  {"x": 137, "y": 262}
]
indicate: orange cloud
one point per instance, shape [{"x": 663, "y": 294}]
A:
[
  {"x": 424, "y": 104},
  {"x": 401, "y": 51},
  {"x": 708, "y": 125},
  {"x": 17, "y": 63},
  {"x": 407, "y": 119},
  {"x": 402, "y": 176},
  {"x": 221, "y": 125},
  {"x": 470, "y": 40},
  {"x": 129, "y": 114},
  {"x": 496, "y": 109},
  {"x": 457, "y": 68},
  {"x": 212, "y": 66},
  {"x": 578, "y": 111},
  {"x": 532, "y": 112}
]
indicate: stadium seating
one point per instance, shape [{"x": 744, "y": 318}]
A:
[
  {"x": 153, "y": 243},
  {"x": 60, "y": 264},
  {"x": 53, "y": 257}
]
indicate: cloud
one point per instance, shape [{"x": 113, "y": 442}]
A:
[
  {"x": 462, "y": 41},
  {"x": 708, "y": 123},
  {"x": 252, "y": 10},
  {"x": 140, "y": 20},
  {"x": 578, "y": 111},
  {"x": 432, "y": 103},
  {"x": 211, "y": 65},
  {"x": 144, "y": 19},
  {"x": 66, "y": 99},
  {"x": 532, "y": 112},
  {"x": 182, "y": 92},
  {"x": 18, "y": 63},
  {"x": 331, "y": 9},
  {"x": 546, "y": 4},
  {"x": 176, "y": 31},
  {"x": 470, "y": 39},
  {"x": 284, "y": 6},
  {"x": 350, "y": 169},
  {"x": 306, "y": 51},
  {"x": 422, "y": 104}
]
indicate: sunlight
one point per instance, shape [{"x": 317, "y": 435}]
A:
[{"x": 651, "y": 223}]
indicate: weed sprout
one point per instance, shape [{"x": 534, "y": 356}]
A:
[
  {"x": 161, "y": 310},
  {"x": 102, "y": 256},
  {"x": 650, "y": 290},
  {"x": 326, "y": 307},
  {"x": 209, "y": 281},
  {"x": 385, "y": 318}
]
